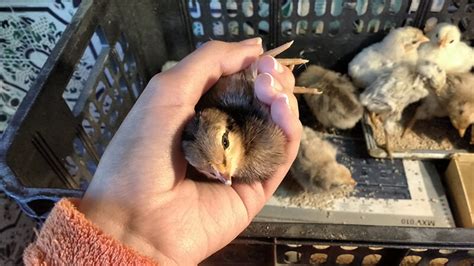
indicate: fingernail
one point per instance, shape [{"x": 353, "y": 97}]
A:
[
  {"x": 269, "y": 80},
  {"x": 285, "y": 98},
  {"x": 278, "y": 68},
  {"x": 253, "y": 41}
]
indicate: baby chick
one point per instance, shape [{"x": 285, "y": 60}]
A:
[
  {"x": 315, "y": 167},
  {"x": 461, "y": 101},
  {"x": 454, "y": 99},
  {"x": 399, "y": 46},
  {"x": 392, "y": 91},
  {"x": 338, "y": 106},
  {"x": 446, "y": 49},
  {"x": 232, "y": 137},
  {"x": 432, "y": 105}
]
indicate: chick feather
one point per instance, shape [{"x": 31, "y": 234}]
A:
[
  {"x": 338, "y": 106},
  {"x": 454, "y": 99},
  {"x": 256, "y": 143},
  {"x": 232, "y": 137},
  {"x": 460, "y": 106},
  {"x": 446, "y": 49},
  {"x": 315, "y": 167},
  {"x": 393, "y": 91},
  {"x": 399, "y": 46}
]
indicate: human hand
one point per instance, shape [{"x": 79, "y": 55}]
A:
[{"x": 139, "y": 194}]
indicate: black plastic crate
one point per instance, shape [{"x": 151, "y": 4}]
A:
[{"x": 61, "y": 146}]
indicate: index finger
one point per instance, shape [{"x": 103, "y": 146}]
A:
[{"x": 197, "y": 72}]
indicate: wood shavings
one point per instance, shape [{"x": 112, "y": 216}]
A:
[
  {"x": 434, "y": 134},
  {"x": 292, "y": 195}
]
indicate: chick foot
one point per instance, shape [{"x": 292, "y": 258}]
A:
[
  {"x": 291, "y": 62},
  {"x": 306, "y": 90},
  {"x": 409, "y": 126},
  {"x": 373, "y": 119},
  {"x": 388, "y": 144}
]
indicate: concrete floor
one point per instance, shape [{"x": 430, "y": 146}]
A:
[{"x": 16, "y": 232}]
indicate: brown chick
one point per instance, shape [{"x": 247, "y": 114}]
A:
[
  {"x": 234, "y": 144},
  {"x": 461, "y": 103},
  {"x": 455, "y": 98},
  {"x": 232, "y": 137},
  {"x": 338, "y": 106},
  {"x": 315, "y": 167}
]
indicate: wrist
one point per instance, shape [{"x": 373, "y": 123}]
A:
[{"x": 116, "y": 221}]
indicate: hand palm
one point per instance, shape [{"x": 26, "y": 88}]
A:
[{"x": 204, "y": 216}]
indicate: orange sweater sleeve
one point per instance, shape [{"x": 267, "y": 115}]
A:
[{"x": 68, "y": 238}]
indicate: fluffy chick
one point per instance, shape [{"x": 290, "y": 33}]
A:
[
  {"x": 393, "y": 91},
  {"x": 455, "y": 98},
  {"x": 434, "y": 104},
  {"x": 338, "y": 106},
  {"x": 399, "y": 46},
  {"x": 461, "y": 101},
  {"x": 446, "y": 49},
  {"x": 232, "y": 137},
  {"x": 315, "y": 167}
]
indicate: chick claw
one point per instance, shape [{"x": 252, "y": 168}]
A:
[
  {"x": 373, "y": 118},
  {"x": 306, "y": 90},
  {"x": 388, "y": 145},
  {"x": 291, "y": 61},
  {"x": 409, "y": 126}
]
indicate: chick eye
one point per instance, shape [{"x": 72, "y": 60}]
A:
[
  {"x": 414, "y": 42},
  {"x": 451, "y": 41},
  {"x": 437, "y": 35},
  {"x": 225, "y": 140}
]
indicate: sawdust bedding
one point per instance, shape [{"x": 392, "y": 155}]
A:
[
  {"x": 435, "y": 135},
  {"x": 292, "y": 194}
]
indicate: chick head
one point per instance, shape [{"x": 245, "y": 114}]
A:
[
  {"x": 343, "y": 176},
  {"x": 445, "y": 35},
  {"x": 411, "y": 38},
  {"x": 212, "y": 143},
  {"x": 335, "y": 175},
  {"x": 461, "y": 114}
]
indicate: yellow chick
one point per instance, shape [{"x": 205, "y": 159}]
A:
[
  {"x": 446, "y": 49},
  {"x": 399, "y": 46}
]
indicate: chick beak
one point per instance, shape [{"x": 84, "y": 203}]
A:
[
  {"x": 353, "y": 182},
  {"x": 442, "y": 42},
  {"x": 224, "y": 178},
  {"x": 424, "y": 39},
  {"x": 462, "y": 131}
]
